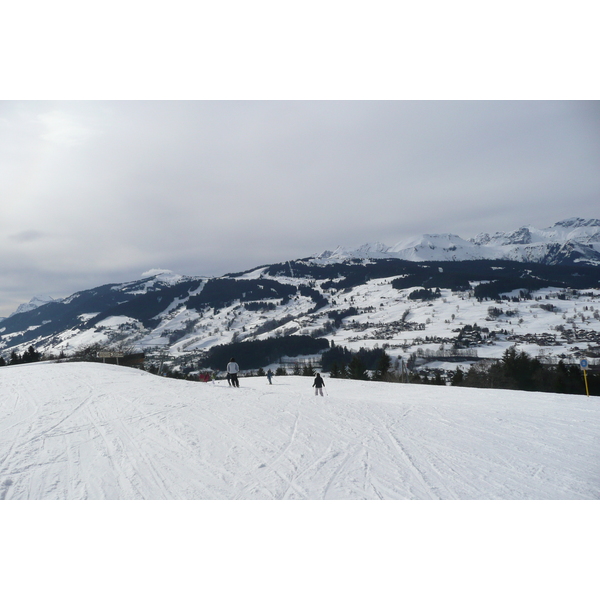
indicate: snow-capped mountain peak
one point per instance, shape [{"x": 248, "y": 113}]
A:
[
  {"x": 569, "y": 241},
  {"x": 162, "y": 275},
  {"x": 34, "y": 303},
  {"x": 577, "y": 223},
  {"x": 341, "y": 253}
]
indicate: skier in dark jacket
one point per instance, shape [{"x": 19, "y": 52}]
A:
[{"x": 319, "y": 384}]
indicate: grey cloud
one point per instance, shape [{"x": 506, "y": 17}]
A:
[
  {"x": 31, "y": 235},
  {"x": 118, "y": 188}
]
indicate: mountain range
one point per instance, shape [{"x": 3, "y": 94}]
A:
[
  {"x": 419, "y": 295},
  {"x": 567, "y": 242}
]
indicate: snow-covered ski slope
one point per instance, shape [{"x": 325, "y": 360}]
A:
[{"x": 93, "y": 431}]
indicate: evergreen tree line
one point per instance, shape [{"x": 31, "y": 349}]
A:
[
  {"x": 519, "y": 371},
  {"x": 337, "y": 316},
  {"x": 342, "y": 363},
  {"x": 425, "y": 294},
  {"x": 220, "y": 292},
  {"x": 516, "y": 370},
  {"x": 30, "y": 355},
  {"x": 258, "y": 353},
  {"x": 316, "y": 296}
]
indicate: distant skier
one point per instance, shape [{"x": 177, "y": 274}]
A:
[
  {"x": 270, "y": 376},
  {"x": 319, "y": 384},
  {"x": 232, "y": 371}
]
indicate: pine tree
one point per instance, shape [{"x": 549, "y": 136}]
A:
[
  {"x": 357, "y": 370},
  {"x": 458, "y": 377},
  {"x": 31, "y": 355},
  {"x": 309, "y": 370},
  {"x": 383, "y": 366},
  {"x": 520, "y": 369}
]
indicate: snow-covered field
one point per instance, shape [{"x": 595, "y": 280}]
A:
[
  {"x": 99, "y": 431},
  {"x": 93, "y": 431}
]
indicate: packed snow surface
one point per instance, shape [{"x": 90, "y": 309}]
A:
[{"x": 94, "y": 431}]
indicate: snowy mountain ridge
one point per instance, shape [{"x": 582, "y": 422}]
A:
[
  {"x": 547, "y": 306},
  {"x": 567, "y": 242},
  {"x": 34, "y": 303}
]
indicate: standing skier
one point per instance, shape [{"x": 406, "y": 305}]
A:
[
  {"x": 270, "y": 376},
  {"x": 232, "y": 371},
  {"x": 319, "y": 384}
]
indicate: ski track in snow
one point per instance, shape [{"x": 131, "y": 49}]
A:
[{"x": 92, "y": 431}]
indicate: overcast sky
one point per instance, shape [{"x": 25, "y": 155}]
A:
[{"x": 100, "y": 192}]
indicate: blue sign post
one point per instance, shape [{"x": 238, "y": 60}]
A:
[{"x": 584, "y": 365}]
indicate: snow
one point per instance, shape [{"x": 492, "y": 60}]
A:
[
  {"x": 524, "y": 244},
  {"x": 34, "y": 303},
  {"x": 443, "y": 316},
  {"x": 254, "y": 274},
  {"x": 381, "y": 308},
  {"x": 94, "y": 431},
  {"x": 115, "y": 321},
  {"x": 156, "y": 273},
  {"x": 84, "y": 430},
  {"x": 164, "y": 275}
]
